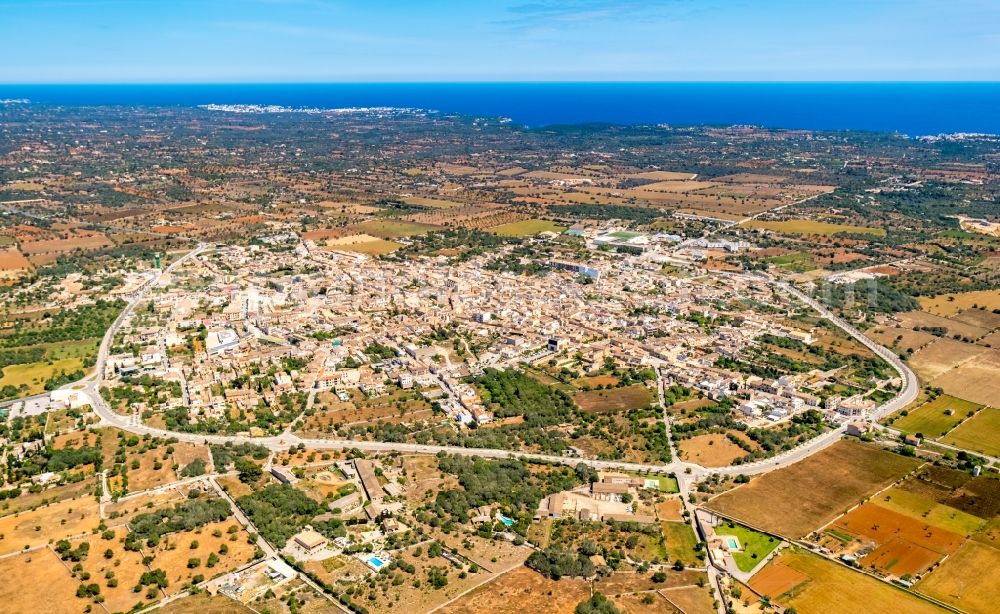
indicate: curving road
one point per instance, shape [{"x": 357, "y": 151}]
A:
[{"x": 691, "y": 471}]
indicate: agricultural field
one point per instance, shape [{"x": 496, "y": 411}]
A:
[
  {"x": 391, "y": 229},
  {"x": 980, "y": 433},
  {"x": 812, "y": 227},
  {"x": 204, "y": 604},
  {"x": 522, "y": 590},
  {"x": 961, "y": 582},
  {"x": 38, "y": 581},
  {"x": 50, "y": 521},
  {"x": 809, "y": 583},
  {"x": 942, "y": 356},
  {"x": 636, "y": 396},
  {"x": 976, "y": 379},
  {"x": 932, "y": 419},
  {"x": 175, "y": 552},
  {"x": 362, "y": 244},
  {"x": 680, "y": 541},
  {"x": 526, "y": 228},
  {"x": 710, "y": 450},
  {"x": 796, "y": 500},
  {"x": 903, "y": 546},
  {"x": 946, "y": 305},
  {"x": 919, "y": 507},
  {"x": 34, "y": 375}
]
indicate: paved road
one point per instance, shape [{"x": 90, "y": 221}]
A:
[{"x": 691, "y": 471}]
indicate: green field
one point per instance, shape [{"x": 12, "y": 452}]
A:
[
  {"x": 754, "y": 546},
  {"x": 526, "y": 228},
  {"x": 980, "y": 433},
  {"x": 927, "y": 510},
  {"x": 931, "y": 420},
  {"x": 680, "y": 541},
  {"x": 798, "y": 262},
  {"x": 812, "y": 227},
  {"x": 667, "y": 484},
  {"x": 392, "y": 229},
  {"x": 35, "y": 374}
]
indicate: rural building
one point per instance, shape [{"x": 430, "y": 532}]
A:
[
  {"x": 346, "y": 503},
  {"x": 284, "y": 475},
  {"x": 366, "y": 471},
  {"x": 603, "y": 491},
  {"x": 309, "y": 540}
]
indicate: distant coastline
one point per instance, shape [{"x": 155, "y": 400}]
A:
[{"x": 914, "y": 109}]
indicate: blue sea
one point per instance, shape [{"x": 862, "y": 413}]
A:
[{"x": 909, "y": 108}]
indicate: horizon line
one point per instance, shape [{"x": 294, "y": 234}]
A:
[{"x": 513, "y": 82}]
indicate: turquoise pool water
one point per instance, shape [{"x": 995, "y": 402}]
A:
[
  {"x": 506, "y": 521},
  {"x": 733, "y": 543},
  {"x": 376, "y": 562}
]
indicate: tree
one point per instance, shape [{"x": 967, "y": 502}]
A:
[
  {"x": 249, "y": 471},
  {"x": 598, "y": 604}
]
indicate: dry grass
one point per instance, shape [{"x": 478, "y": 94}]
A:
[
  {"x": 941, "y": 356},
  {"x": 813, "y": 227},
  {"x": 795, "y": 500},
  {"x": 960, "y": 581},
  {"x": 204, "y": 604},
  {"x": 950, "y": 304},
  {"x": 977, "y": 379},
  {"x": 636, "y": 396},
  {"x": 173, "y": 552},
  {"x": 834, "y": 589},
  {"x": 981, "y": 433},
  {"x": 49, "y": 523},
  {"x": 710, "y": 450},
  {"x": 520, "y": 591},
  {"x": 38, "y": 582}
]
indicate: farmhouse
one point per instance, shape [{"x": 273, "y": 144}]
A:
[
  {"x": 608, "y": 491},
  {"x": 309, "y": 540},
  {"x": 366, "y": 470}
]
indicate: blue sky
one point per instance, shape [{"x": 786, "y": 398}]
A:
[{"x": 120, "y": 41}]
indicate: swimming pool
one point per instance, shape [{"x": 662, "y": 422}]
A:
[
  {"x": 376, "y": 562},
  {"x": 732, "y": 543},
  {"x": 506, "y": 521}
]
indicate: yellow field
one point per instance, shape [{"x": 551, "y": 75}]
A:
[
  {"x": 950, "y": 304},
  {"x": 49, "y": 523},
  {"x": 812, "y": 227},
  {"x": 362, "y": 244},
  {"x": 980, "y": 433},
  {"x": 663, "y": 176},
  {"x": 526, "y": 228},
  {"x": 38, "y": 582},
  {"x": 832, "y": 588},
  {"x": 929, "y": 511},
  {"x": 967, "y": 579},
  {"x": 35, "y": 374},
  {"x": 392, "y": 229}
]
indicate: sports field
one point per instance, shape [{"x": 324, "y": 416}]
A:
[
  {"x": 932, "y": 419},
  {"x": 526, "y": 228}
]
